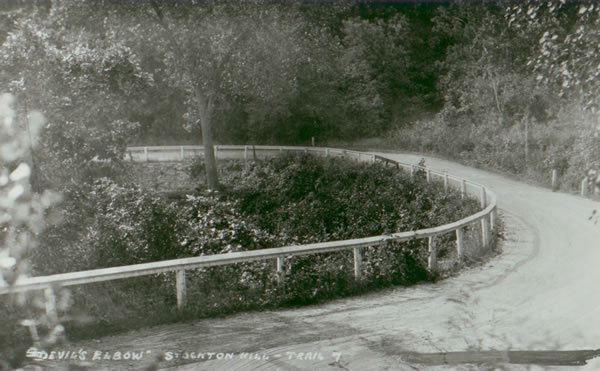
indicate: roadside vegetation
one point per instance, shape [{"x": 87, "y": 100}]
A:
[
  {"x": 283, "y": 201},
  {"x": 503, "y": 85},
  {"x": 495, "y": 84},
  {"x": 293, "y": 199},
  {"x": 516, "y": 90}
]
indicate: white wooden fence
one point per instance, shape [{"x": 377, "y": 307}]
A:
[
  {"x": 486, "y": 218},
  {"x": 230, "y": 152}
]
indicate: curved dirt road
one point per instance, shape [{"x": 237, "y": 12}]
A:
[{"x": 540, "y": 294}]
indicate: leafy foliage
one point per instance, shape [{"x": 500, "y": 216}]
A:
[
  {"x": 303, "y": 199},
  {"x": 566, "y": 59},
  {"x": 518, "y": 82},
  {"x": 258, "y": 72},
  {"x": 106, "y": 225},
  {"x": 84, "y": 78},
  {"x": 22, "y": 218}
]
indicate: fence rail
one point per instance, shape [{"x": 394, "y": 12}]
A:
[
  {"x": 486, "y": 217},
  {"x": 222, "y": 152}
]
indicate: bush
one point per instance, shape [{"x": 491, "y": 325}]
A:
[
  {"x": 104, "y": 225},
  {"x": 307, "y": 199}
]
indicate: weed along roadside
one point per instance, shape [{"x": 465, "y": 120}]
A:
[{"x": 349, "y": 222}]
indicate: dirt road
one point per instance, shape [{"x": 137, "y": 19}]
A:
[{"x": 540, "y": 294}]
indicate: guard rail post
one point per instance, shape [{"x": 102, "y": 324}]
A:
[
  {"x": 428, "y": 176},
  {"x": 180, "y": 287},
  {"x": 446, "y": 183},
  {"x": 357, "y": 262},
  {"x": 584, "y": 183},
  {"x": 459, "y": 244},
  {"x": 484, "y": 232},
  {"x": 280, "y": 272},
  {"x": 484, "y": 221},
  {"x": 483, "y": 198},
  {"x": 182, "y": 154},
  {"x": 432, "y": 259},
  {"x": 463, "y": 189},
  {"x": 146, "y": 154}
]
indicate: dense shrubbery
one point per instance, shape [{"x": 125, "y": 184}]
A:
[
  {"x": 283, "y": 201},
  {"x": 303, "y": 199},
  {"x": 105, "y": 224}
]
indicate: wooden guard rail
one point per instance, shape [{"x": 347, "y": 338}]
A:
[{"x": 486, "y": 217}]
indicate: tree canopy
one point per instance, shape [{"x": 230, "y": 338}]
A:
[{"x": 107, "y": 74}]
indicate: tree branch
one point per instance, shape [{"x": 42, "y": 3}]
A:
[{"x": 161, "y": 21}]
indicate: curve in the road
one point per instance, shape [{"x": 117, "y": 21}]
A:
[{"x": 539, "y": 295}]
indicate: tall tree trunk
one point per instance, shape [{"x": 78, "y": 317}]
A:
[
  {"x": 205, "y": 104},
  {"x": 499, "y": 105},
  {"x": 210, "y": 163}
]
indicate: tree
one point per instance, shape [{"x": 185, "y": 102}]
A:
[
  {"x": 566, "y": 59},
  {"x": 337, "y": 94},
  {"x": 382, "y": 44},
  {"x": 218, "y": 51},
  {"x": 85, "y": 79},
  {"x": 484, "y": 70},
  {"x": 566, "y": 62},
  {"x": 353, "y": 81}
]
